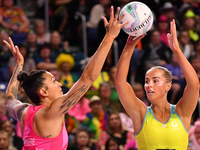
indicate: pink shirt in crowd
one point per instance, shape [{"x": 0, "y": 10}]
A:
[
  {"x": 80, "y": 110},
  {"x": 34, "y": 142}
]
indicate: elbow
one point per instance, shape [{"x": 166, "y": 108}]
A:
[
  {"x": 194, "y": 86},
  {"x": 88, "y": 77},
  {"x": 90, "y": 74}
]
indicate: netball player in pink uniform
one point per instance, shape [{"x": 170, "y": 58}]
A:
[{"x": 43, "y": 124}]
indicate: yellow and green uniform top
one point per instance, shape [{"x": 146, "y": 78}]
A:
[{"x": 154, "y": 135}]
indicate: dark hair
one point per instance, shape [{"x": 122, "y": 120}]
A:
[
  {"x": 31, "y": 83},
  {"x": 24, "y": 46},
  {"x": 152, "y": 32},
  {"x": 79, "y": 131},
  {"x": 76, "y": 135},
  {"x": 43, "y": 46},
  {"x": 108, "y": 142},
  {"x": 132, "y": 148},
  {"x": 4, "y": 121}
]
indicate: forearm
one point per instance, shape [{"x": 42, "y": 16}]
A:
[
  {"x": 12, "y": 90},
  {"x": 188, "y": 71},
  {"x": 94, "y": 66}
]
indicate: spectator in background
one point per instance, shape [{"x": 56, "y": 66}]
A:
[
  {"x": 29, "y": 63},
  {"x": 195, "y": 62},
  {"x": 196, "y": 51},
  {"x": 5, "y": 55},
  {"x": 81, "y": 140},
  {"x": 108, "y": 105},
  {"x": 65, "y": 63},
  {"x": 194, "y": 135},
  {"x": 14, "y": 20},
  {"x": 163, "y": 28},
  {"x": 170, "y": 12},
  {"x": 189, "y": 24},
  {"x": 177, "y": 79},
  {"x": 185, "y": 44},
  {"x": 43, "y": 58},
  {"x": 31, "y": 43},
  {"x": 95, "y": 121},
  {"x": 4, "y": 141},
  {"x": 140, "y": 93},
  {"x": 78, "y": 56},
  {"x": 57, "y": 46},
  {"x": 40, "y": 29},
  {"x": 14, "y": 140},
  {"x": 111, "y": 144},
  {"x": 114, "y": 129}
]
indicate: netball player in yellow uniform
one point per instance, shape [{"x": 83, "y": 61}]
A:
[{"x": 161, "y": 126}]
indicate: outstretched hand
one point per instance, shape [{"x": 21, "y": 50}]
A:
[
  {"x": 132, "y": 40},
  {"x": 114, "y": 25},
  {"x": 15, "y": 51},
  {"x": 172, "y": 37}
]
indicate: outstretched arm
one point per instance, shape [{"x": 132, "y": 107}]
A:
[
  {"x": 92, "y": 69},
  {"x": 188, "y": 102},
  {"x": 14, "y": 106},
  {"x": 126, "y": 94}
]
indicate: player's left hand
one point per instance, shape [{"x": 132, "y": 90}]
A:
[
  {"x": 172, "y": 37},
  {"x": 15, "y": 51}
]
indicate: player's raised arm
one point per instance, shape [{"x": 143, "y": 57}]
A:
[
  {"x": 14, "y": 106},
  {"x": 189, "y": 100},
  {"x": 92, "y": 69},
  {"x": 126, "y": 94}
]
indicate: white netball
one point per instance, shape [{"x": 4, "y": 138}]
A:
[{"x": 139, "y": 16}]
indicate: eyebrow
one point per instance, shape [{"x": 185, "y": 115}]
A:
[{"x": 153, "y": 78}]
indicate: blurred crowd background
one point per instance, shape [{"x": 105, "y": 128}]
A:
[{"x": 61, "y": 35}]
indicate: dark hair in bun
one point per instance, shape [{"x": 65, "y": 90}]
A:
[
  {"x": 31, "y": 83},
  {"x": 22, "y": 78}
]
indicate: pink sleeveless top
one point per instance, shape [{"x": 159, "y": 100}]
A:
[{"x": 34, "y": 142}]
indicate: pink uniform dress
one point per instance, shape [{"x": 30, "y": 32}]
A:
[{"x": 34, "y": 142}]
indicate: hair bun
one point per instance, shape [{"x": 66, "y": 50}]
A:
[{"x": 22, "y": 77}]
